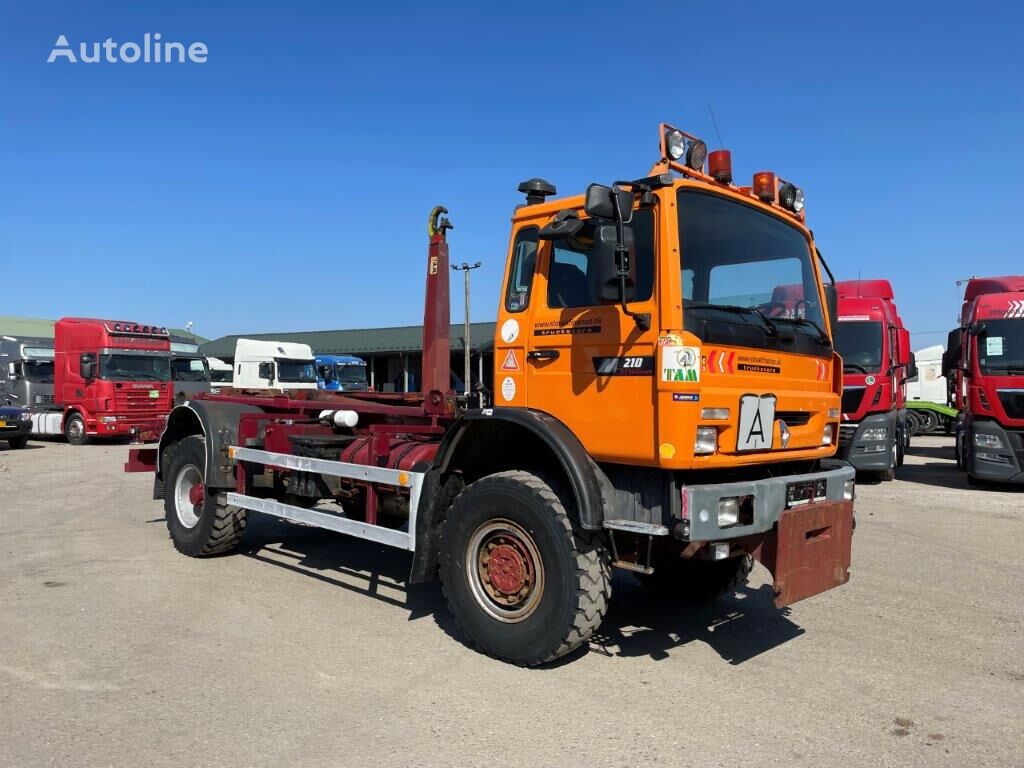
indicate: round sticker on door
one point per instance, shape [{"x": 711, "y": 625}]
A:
[
  {"x": 510, "y": 331},
  {"x": 508, "y": 389},
  {"x": 869, "y": 380}
]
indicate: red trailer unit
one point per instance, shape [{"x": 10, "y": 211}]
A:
[
  {"x": 875, "y": 348},
  {"x": 986, "y": 357},
  {"x": 111, "y": 379}
]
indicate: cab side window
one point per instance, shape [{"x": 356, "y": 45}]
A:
[
  {"x": 569, "y": 278},
  {"x": 520, "y": 276}
]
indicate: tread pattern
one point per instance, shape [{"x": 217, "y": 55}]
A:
[
  {"x": 593, "y": 571},
  {"x": 228, "y": 527}
]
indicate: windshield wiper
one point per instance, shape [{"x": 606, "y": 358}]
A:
[
  {"x": 855, "y": 367},
  {"x": 736, "y": 309},
  {"x": 823, "y": 337},
  {"x": 146, "y": 376}
]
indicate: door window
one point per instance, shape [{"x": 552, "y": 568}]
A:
[{"x": 520, "y": 277}]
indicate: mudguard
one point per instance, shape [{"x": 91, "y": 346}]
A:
[{"x": 218, "y": 423}]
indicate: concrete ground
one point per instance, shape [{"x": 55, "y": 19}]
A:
[{"x": 307, "y": 649}]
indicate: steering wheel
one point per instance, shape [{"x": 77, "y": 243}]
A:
[{"x": 773, "y": 309}]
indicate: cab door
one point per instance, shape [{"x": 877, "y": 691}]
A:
[{"x": 585, "y": 362}]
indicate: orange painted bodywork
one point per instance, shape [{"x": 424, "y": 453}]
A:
[{"x": 635, "y": 419}]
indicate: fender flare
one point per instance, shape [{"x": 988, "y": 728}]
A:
[
  {"x": 218, "y": 423},
  {"x": 590, "y": 485}
]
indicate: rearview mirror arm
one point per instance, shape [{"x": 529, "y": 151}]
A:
[{"x": 642, "y": 319}]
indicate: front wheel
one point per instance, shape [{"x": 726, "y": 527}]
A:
[
  {"x": 74, "y": 430},
  {"x": 18, "y": 442},
  {"x": 521, "y": 580},
  {"x": 200, "y": 523}
]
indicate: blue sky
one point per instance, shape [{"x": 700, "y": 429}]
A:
[{"x": 285, "y": 183}]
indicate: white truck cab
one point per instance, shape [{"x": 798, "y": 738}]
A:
[{"x": 277, "y": 365}]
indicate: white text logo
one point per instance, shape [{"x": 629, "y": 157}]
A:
[{"x": 152, "y": 50}]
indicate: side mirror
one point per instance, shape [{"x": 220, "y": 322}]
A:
[
  {"x": 12, "y": 371},
  {"x": 912, "y": 368},
  {"x": 266, "y": 371},
  {"x": 606, "y": 272},
  {"x": 903, "y": 353},
  {"x": 602, "y": 202},
  {"x": 87, "y": 366},
  {"x": 832, "y": 305},
  {"x": 977, "y": 329}
]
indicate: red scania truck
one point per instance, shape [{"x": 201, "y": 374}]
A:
[
  {"x": 111, "y": 379},
  {"x": 986, "y": 357},
  {"x": 875, "y": 347}
]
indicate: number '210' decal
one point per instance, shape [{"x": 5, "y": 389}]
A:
[{"x": 629, "y": 365}]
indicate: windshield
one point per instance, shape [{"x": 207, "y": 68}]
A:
[
  {"x": 296, "y": 371},
  {"x": 186, "y": 369},
  {"x": 121, "y": 367},
  {"x": 39, "y": 371},
  {"x": 748, "y": 278},
  {"x": 351, "y": 376},
  {"x": 220, "y": 375},
  {"x": 1001, "y": 347},
  {"x": 860, "y": 346}
]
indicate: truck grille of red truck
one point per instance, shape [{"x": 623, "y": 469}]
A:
[{"x": 1012, "y": 401}]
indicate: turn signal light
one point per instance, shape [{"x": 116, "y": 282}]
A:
[{"x": 764, "y": 186}]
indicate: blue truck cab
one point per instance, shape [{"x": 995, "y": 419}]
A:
[
  {"x": 341, "y": 373},
  {"x": 15, "y": 425}
]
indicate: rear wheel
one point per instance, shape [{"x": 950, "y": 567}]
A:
[
  {"x": 74, "y": 429},
  {"x": 200, "y": 523},
  {"x": 521, "y": 580},
  {"x": 18, "y": 442}
]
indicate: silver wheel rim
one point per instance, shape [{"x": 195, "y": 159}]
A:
[
  {"x": 76, "y": 428},
  {"x": 187, "y": 479},
  {"x": 504, "y": 533}
]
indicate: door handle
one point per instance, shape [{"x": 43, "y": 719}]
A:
[{"x": 543, "y": 354}]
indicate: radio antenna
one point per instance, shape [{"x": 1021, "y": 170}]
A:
[{"x": 721, "y": 144}]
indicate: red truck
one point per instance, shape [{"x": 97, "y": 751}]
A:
[
  {"x": 111, "y": 379},
  {"x": 875, "y": 347},
  {"x": 985, "y": 357}
]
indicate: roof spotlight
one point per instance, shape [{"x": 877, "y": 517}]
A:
[
  {"x": 135, "y": 328},
  {"x": 696, "y": 152},
  {"x": 117, "y": 326},
  {"x": 145, "y": 329},
  {"x": 791, "y": 197},
  {"x": 675, "y": 144}
]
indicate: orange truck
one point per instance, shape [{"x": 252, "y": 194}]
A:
[{"x": 666, "y": 401}]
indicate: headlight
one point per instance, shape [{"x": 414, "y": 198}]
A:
[
  {"x": 706, "y": 440},
  {"x": 981, "y": 440},
  {"x": 675, "y": 144},
  {"x": 994, "y": 457},
  {"x": 875, "y": 434},
  {"x": 848, "y": 490},
  {"x": 108, "y": 419},
  {"x": 791, "y": 197},
  {"x": 728, "y": 512},
  {"x": 826, "y": 436}
]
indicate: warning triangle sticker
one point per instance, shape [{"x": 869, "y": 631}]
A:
[{"x": 510, "y": 363}]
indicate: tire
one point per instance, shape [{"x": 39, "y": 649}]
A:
[
  {"x": 209, "y": 527},
  {"x": 913, "y": 425},
  {"x": 929, "y": 422},
  {"x": 890, "y": 473},
  {"x": 18, "y": 442},
  {"x": 563, "y": 573},
  {"x": 74, "y": 429},
  {"x": 902, "y": 440},
  {"x": 696, "y": 581}
]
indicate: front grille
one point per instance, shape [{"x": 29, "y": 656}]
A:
[
  {"x": 1013, "y": 402},
  {"x": 852, "y": 398},
  {"x": 138, "y": 399},
  {"x": 793, "y": 418},
  {"x": 846, "y": 433}
]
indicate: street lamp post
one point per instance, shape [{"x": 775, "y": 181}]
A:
[{"x": 465, "y": 269}]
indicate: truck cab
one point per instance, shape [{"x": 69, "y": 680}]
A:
[
  {"x": 26, "y": 372},
  {"x": 111, "y": 378},
  {"x": 190, "y": 371},
  {"x": 989, "y": 361},
  {"x": 341, "y": 373},
  {"x": 875, "y": 348},
  {"x": 221, "y": 373},
  {"x": 280, "y": 365}
]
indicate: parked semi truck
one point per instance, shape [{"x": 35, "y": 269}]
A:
[
  {"x": 930, "y": 401},
  {"x": 189, "y": 369},
  {"x": 111, "y": 379},
  {"x": 341, "y": 373},
  {"x": 985, "y": 358},
  {"x": 875, "y": 348},
  {"x": 220, "y": 372},
  {"x": 277, "y": 365},
  {"x": 650, "y": 413},
  {"x": 26, "y": 371}
]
